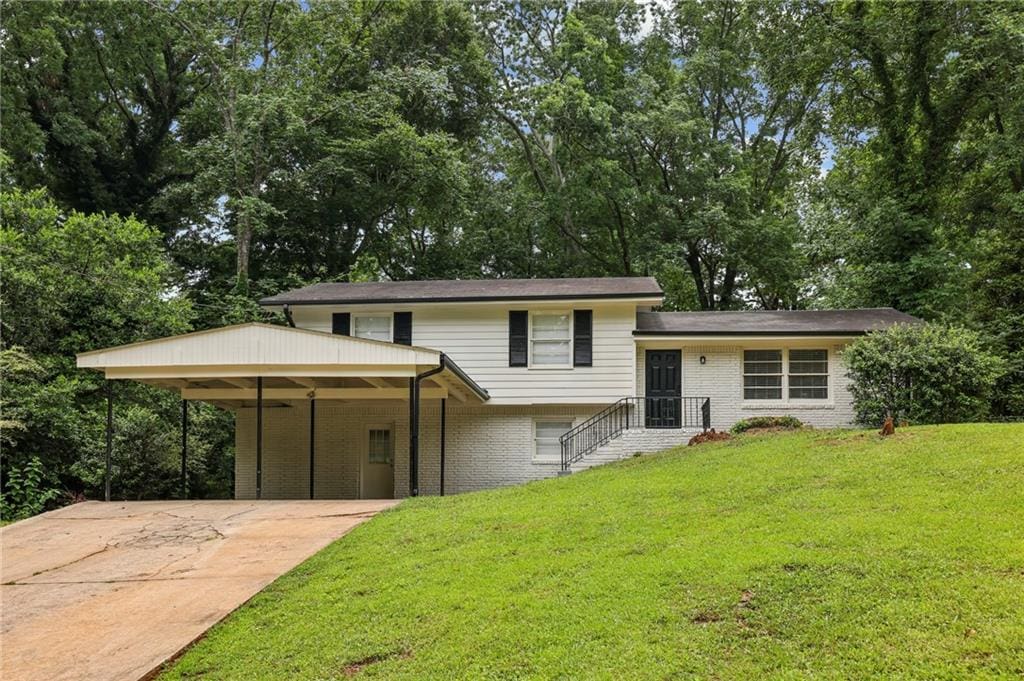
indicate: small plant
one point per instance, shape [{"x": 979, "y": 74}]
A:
[
  {"x": 27, "y": 493},
  {"x": 765, "y": 422}
]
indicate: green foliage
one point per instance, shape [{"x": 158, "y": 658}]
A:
[
  {"x": 76, "y": 282},
  {"x": 754, "y": 422},
  {"x": 26, "y": 492},
  {"x": 762, "y": 154},
  {"x": 754, "y": 558},
  {"x": 925, "y": 373}
]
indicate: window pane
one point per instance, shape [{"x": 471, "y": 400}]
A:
[
  {"x": 808, "y": 381},
  {"x": 550, "y": 352},
  {"x": 551, "y": 326},
  {"x": 762, "y": 381},
  {"x": 762, "y": 355},
  {"x": 546, "y": 444},
  {"x": 374, "y": 328},
  {"x": 808, "y": 355},
  {"x": 552, "y": 429},
  {"x": 808, "y": 393},
  {"x": 762, "y": 393},
  {"x": 762, "y": 367},
  {"x": 808, "y": 367},
  {"x": 762, "y": 361},
  {"x": 380, "y": 446}
]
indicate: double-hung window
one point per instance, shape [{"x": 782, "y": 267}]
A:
[
  {"x": 551, "y": 339},
  {"x": 546, "y": 433},
  {"x": 762, "y": 374},
  {"x": 372, "y": 326},
  {"x": 808, "y": 374}
]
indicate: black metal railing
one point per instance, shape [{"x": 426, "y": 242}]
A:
[{"x": 633, "y": 412}]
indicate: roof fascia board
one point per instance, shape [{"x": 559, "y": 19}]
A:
[
  {"x": 704, "y": 335},
  {"x": 652, "y": 299}
]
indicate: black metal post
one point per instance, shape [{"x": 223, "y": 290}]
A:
[
  {"x": 259, "y": 437},
  {"x": 110, "y": 440},
  {"x": 444, "y": 409},
  {"x": 312, "y": 444},
  {"x": 184, "y": 449},
  {"x": 414, "y": 437}
]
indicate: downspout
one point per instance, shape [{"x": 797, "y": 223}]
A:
[
  {"x": 414, "y": 425},
  {"x": 288, "y": 315}
]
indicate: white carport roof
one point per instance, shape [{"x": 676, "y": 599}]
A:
[{"x": 221, "y": 365}]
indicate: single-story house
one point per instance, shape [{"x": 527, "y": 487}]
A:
[{"x": 388, "y": 389}]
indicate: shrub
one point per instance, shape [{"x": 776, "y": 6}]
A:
[
  {"x": 786, "y": 422},
  {"x": 27, "y": 492},
  {"x": 923, "y": 373}
]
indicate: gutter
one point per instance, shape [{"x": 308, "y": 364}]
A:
[{"x": 447, "y": 363}]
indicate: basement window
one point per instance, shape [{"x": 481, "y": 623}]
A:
[{"x": 546, "y": 447}]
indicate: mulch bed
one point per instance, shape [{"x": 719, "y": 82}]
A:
[{"x": 708, "y": 436}]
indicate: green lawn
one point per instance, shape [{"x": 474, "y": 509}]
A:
[{"x": 825, "y": 554}]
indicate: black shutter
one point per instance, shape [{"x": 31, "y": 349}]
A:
[
  {"x": 518, "y": 324},
  {"x": 341, "y": 323},
  {"x": 403, "y": 328},
  {"x": 583, "y": 338}
]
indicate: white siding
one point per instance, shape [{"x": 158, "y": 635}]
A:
[
  {"x": 476, "y": 337},
  {"x": 721, "y": 379}
]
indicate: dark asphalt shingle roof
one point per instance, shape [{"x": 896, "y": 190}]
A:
[
  {"x": 770, "y": 322},
  {"x": 467, "y": 290}
]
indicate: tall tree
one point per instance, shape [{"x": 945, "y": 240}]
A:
[
  {"x": 910, "y": 78},
  {"x": 92, "y": 96}
]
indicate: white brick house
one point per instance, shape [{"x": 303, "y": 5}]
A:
[{"x": 397, "y": 388}]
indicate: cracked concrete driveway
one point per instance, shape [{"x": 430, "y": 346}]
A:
[{"x": 112, "y": 590}]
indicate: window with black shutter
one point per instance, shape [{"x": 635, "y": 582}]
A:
[
  {"x": 518, "y": 323},
  {"x": 583, "y": 338},
  {"x": 403, "y": 328},
  {"x": 341, "y": 323}
]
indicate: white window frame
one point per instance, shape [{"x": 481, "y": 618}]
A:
[
  {"x": 782, "y": 375},
  {"x": 827, "y": 375},
  {"x": 529, "y": 339},
  {"x": 533, "y": 439},
  {"x": 786, "y": 401},
  {"x": 363, "y": 315}
]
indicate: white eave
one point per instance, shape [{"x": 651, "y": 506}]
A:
[{"x": 220, "y": 365}]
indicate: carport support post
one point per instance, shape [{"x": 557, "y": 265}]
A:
[
  {"x": 444, "y": 404},
  {"x": 110, "y": 440},
  {"x": 184, "y": 449},
  {"x": 414, "y": 437},
  {"x": 259, "y": 437},
  {"x": 312, "y": 443}
]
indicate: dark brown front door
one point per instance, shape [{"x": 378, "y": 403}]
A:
[{"x": 664, "y": 381}]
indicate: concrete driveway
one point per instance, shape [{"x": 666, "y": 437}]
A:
[{"x": 112, "y": 590}]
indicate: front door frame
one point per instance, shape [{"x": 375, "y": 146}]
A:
[
  {"x": 663, "y": 410},
  {"x": 364, "y": 456}
]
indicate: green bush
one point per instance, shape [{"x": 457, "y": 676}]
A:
[
  {"x": 923, "y": 373},
  {"x": 27, "y": 492},
  {"x": 787, "y": 422}
]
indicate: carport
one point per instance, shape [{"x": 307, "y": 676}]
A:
[{"x": 261, "y": 365}]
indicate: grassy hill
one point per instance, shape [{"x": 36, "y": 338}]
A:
[{"x": 836, "y": 555}]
